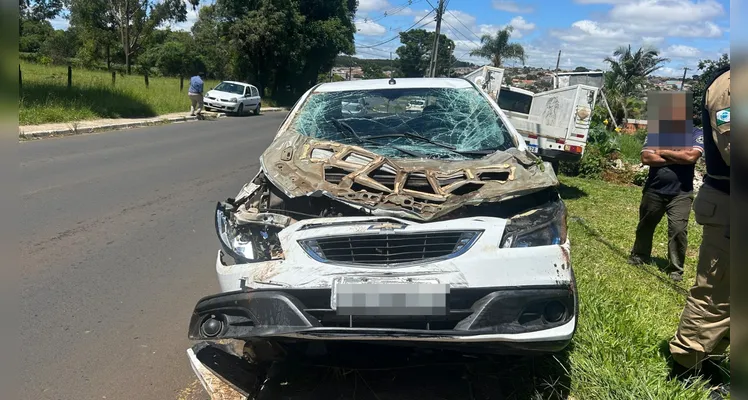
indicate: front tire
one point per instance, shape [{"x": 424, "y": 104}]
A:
[
  {"x": 240, "y": 110},
  {"x": 257, "y": 109}
]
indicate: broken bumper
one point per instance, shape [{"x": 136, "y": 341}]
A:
[
  {"x": 220, "y": 105},
  {"x": 508, "y": 321}
]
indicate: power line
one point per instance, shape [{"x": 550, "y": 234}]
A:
[
  {"x": 461, "y": 23},
  {"x": 452, "y": 28},
  {"x": 395, "y": 10},
  {"x": 396, "y": 37}
]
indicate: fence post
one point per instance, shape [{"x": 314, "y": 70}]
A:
[
  {"x": 146, "y": 79},
  {"x": 181, "y": 82},
  {"x": 70, "y": 76},
  {"x": 114, "y": 77}
]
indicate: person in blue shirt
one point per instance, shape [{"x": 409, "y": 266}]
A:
[
  {"x": 668, "y": 190},
  {"x": 195, "y": 94}
]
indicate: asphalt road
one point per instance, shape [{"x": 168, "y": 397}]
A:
[{"x": 117, "y": 246}]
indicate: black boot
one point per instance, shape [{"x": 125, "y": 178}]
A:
[{"x": 710, "y": 371}]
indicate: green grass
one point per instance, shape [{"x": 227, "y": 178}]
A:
[
  {"x": 627, "y": 313},
  {"x": 630, "y": 147},
  {"x": 45, "y": 98}
]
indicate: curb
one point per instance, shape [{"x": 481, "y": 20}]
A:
[{"x": 30, "y": 135}]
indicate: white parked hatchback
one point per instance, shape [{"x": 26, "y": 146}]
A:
[{"x": 233, "y": 97}]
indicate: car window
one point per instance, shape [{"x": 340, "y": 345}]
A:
[
  {"x": 230, "y": 88},
  {"x": 462, "y": 119},
  {"x": 514, "y": 101},
  {"x": 255, "y": 93}
]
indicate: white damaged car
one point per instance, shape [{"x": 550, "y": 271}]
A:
[{"x": 436, "y": 229}]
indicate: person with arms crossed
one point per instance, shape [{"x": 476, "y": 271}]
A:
[{"x": 667, "y": 190}]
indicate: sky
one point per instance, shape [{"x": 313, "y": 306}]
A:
[{"x": 586, "y": 31}]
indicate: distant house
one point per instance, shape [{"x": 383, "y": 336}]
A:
[{"x": 630, "y": 126}]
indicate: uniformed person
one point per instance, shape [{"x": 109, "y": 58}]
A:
[{"x": 704, "y": 331}]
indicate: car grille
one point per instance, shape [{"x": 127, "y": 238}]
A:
[{"x": 389, "y": 248}]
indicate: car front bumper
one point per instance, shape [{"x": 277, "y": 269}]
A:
[
  {"x": 220, "y": 105},
  {"x": 500, "y": 320}
]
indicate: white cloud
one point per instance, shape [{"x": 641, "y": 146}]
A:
[
  {"x": 601, "y": 1},
  {"x": 373, "y": 5},
  {"x": 666, "y": 11},
  {"x": 511, "y": 6},
  {"x": 667, "y": 72},
  {"x": 521, "y": 24},
  {"x": 369, "y": 28},
  {"x": 681, "y": 51}
]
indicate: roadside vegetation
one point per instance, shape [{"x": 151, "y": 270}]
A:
[
  {"x": 628, "y": 313},
  {"x": 45, "y": 97}
]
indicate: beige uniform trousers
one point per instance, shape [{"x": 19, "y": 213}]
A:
[
  {"x": 196, "y": 101},
  {"x": 704, "y": 327}
]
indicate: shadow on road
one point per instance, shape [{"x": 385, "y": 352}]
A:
[{"x": 363, "y": 372}]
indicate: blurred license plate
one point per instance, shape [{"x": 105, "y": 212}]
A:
[
  {"x": 533, "y": 148},
  {"x": 388, "y": 297}
]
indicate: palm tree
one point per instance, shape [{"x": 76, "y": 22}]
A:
[
  {"x": 628, "y": 74},
  {"x": 498, "y": 48}
]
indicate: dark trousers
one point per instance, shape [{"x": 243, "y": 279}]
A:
[{"x": 653, "y": 207}]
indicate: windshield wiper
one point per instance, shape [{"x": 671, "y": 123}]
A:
[
  {"x": 435, "y": 143},
  {"x": 360, "y": 140}
]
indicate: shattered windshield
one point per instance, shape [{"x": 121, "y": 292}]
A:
[
  {"x": 411, "y": 122},
  {"x": 230, "y": 88}
]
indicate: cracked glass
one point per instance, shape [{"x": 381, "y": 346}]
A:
[{"x": 449, "y": 123}]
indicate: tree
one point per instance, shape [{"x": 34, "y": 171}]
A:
[
  {"x": 415, "y": 53},
  {"x": 211, "y": 41},
  {"x": 497, "y": 48},
  {"x": 628, "y": 74},
  {"x": 39, "y": 10},
  {"x": 60, "y": 46},
  {"x": 284, "y": 45},
  {"x": 373, "y": 71},
  {"x": 706, "y": 69},
  {"x": 34, "y": 33},
  {"x": 133, "y": 20},
  {"x": 581, "y": 69}
]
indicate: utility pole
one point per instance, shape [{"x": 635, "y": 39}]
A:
[
  {"x": 558, "y": 60},
  {"x": 435, "y": 48},
  {"x": 682, "y": 81}
]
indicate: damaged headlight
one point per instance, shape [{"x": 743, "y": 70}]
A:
[
  {"x": 249, "y": 240},
  {"x": 236, "y": 244},
  {"x": 542, "y": 227}
]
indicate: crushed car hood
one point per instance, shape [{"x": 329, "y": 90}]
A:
[{"x": 417, "y": 188}]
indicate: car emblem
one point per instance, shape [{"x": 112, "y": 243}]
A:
[{"x": 387, "y": 226}]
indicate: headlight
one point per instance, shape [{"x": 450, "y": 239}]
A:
[
  {"x": 237, "y": 245},
  {"x": 249, "y": 242},
  {"x": 233, "y": 100},
  {"x": 544, "y": 227}
]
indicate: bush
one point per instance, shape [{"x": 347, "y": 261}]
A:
[
  {"x": 640, "y": 177},
  {"x": 593, "y": 163}
]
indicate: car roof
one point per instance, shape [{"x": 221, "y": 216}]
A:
[
  {"x": 400, "y": 83},
  {"x": 237, "y": 83}
]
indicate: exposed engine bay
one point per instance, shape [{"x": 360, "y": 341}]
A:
[{"x": 331, "y": 180}]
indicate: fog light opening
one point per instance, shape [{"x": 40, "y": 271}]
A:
[
  {"x": 211, "y": 327},
  {"x": 554, "y": 311}
]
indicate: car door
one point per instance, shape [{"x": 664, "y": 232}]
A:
[
  {"x": 246, "y": 97},
  {"x": 255, "y": 96}
]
